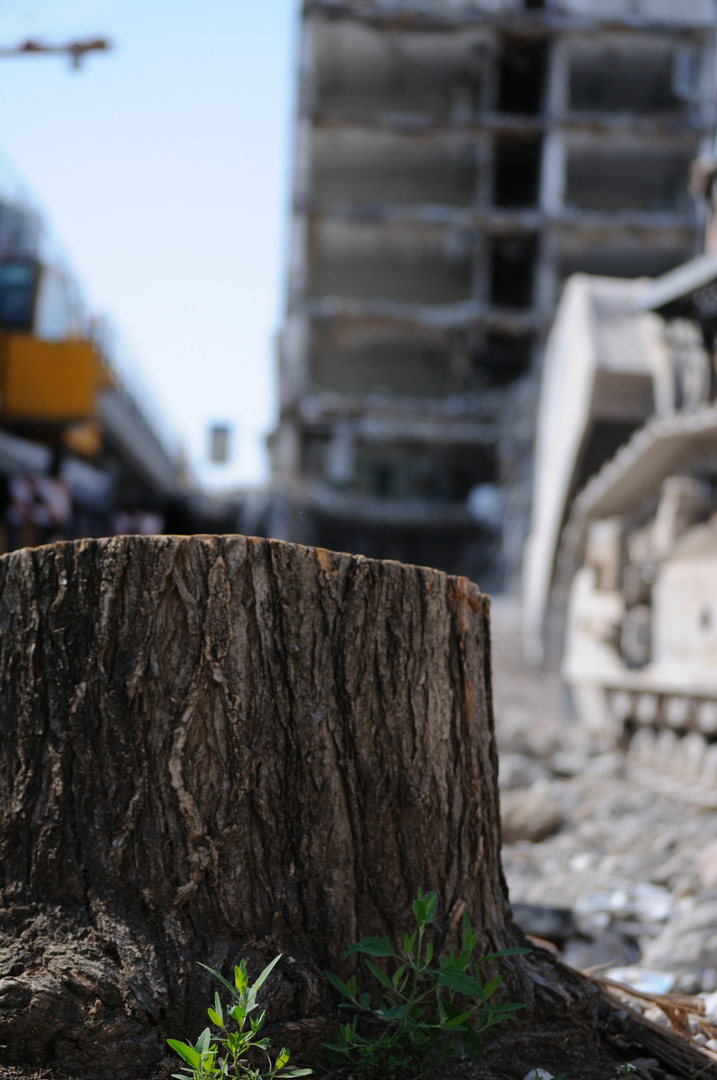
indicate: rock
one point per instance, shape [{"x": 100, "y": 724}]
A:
[
  {"x": 531, "y": 814},
  {"x": 711, "y": 1009},
  {"x": 635, "y": 910},
  {"x": 610, "y": 948},
  {"x": 549, "y": 923},
  {"x": 687, "y": 943},
  {"x": 519, "y": 771},
  {"x": 567, "y": 763},
  {"x": 707, "y": 865},
  {"x": 642, "y": 979},
  {"x": 656, "y": 1016}
]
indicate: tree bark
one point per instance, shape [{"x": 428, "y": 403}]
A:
[{"x": 219, "y": 747}]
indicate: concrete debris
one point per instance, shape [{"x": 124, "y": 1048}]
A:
[
  {"x": 688, "y": 943},
  {"x": 519, "y": 771},
  {"x": 642, "y": 979},
  {"x": 553, "y": 924},
  {"x": 632, "y": 871},
  {"x": 707, "y": 866},
  {"x": 531, "y": 814},
  {"x": 657, "y": 1016},
  {"x": 608, "y": 948}
]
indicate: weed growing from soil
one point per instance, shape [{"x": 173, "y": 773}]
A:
[
  {"x": 232, "y": 1054},
  {"x": 424, "y": 1007}
]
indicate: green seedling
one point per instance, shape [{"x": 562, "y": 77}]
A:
[
  {"x": 425, "y": 1006},
  {"x": 233, "y": 1052}
]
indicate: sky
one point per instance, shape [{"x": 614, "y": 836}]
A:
[{"x": 163, "y": 169}]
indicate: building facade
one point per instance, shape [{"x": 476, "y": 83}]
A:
[{"x": 454, "y": 163}]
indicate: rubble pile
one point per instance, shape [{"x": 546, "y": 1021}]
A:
[{"x": 615, "y": 875}]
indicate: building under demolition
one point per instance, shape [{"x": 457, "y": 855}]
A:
[{"x": 455, "y": 161}]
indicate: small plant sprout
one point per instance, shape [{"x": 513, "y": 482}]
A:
[
  {"x": 233, "y": 1053},
  {"x": 424, "y": 1006}
]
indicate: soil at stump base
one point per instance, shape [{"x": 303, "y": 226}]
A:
[{"x": 220, "y": 747}]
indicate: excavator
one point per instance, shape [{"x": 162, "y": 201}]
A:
[{"x": 620, "y": 567}]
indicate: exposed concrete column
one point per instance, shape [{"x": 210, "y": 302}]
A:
[
  {"x": 294, "y": 340},
  {"x": 557, "y": 88},
  {"x": 481, "y": 269},
  {"x": 485, "y": 164},
  {"x": 489, "y": 95},
  {"x": 545, "y": 292},
  {"x": 293, "y": 359},
  {"x": 302, "y": 165},
  {"x": 286, "y": 452},
  {"x": 552, "y": 180}
]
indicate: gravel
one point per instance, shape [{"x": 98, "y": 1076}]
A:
[{"x": 637, "y": 868}]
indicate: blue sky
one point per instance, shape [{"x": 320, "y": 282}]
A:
[{"x": 163, "y": 169}]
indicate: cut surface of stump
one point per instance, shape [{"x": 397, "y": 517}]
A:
[{"x": 214, "y": 748}]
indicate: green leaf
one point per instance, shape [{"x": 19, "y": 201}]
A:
[
  {"x": 340, "y": 1047},
  {"x": 419, "y": 910},
  {"x": 378, "y": 974},
  {"x": 266, "y": 972},
  {"x": 219, "y": 1010},
  {"x": 241, "y": 979},
  {"x": 397, "y": 976},
  {"x": 338, "y": 985},
  {"x": 372, "y": 946},
  {"x": 408, "y": 943},
  {"x": 221, "y": 978},
  {"x": 458, "y": 1021},
  {"x": 463, "y": 959},
  {"x": 458, "y": 980},
  {"x": 215, "y": 1017},
  {"x": 186, "y": 1052},
  {"x": 456, "y": 1016},
  {"x": 429, "y": 953},
  {"x": 282, "y": 1058},
  {"x": 204, "y": 1041},
  {"x": 257, "y": 1024},
  {"x": 394, "y": 1012},
  {"x": 473, "y": 1045},
  {"x": 470, "y": 940},
  {"x": 490, "y": 988},
  {"x": 238, "y": 1013},
  {"x": 365, "y": 1000},
  {"x": 507, "y": 1008},
  {"x": 431, "y": 902},
  {"x": 298, "y": 1072}
]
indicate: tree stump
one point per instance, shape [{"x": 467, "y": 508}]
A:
[{"x": 215, "y": 747}]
